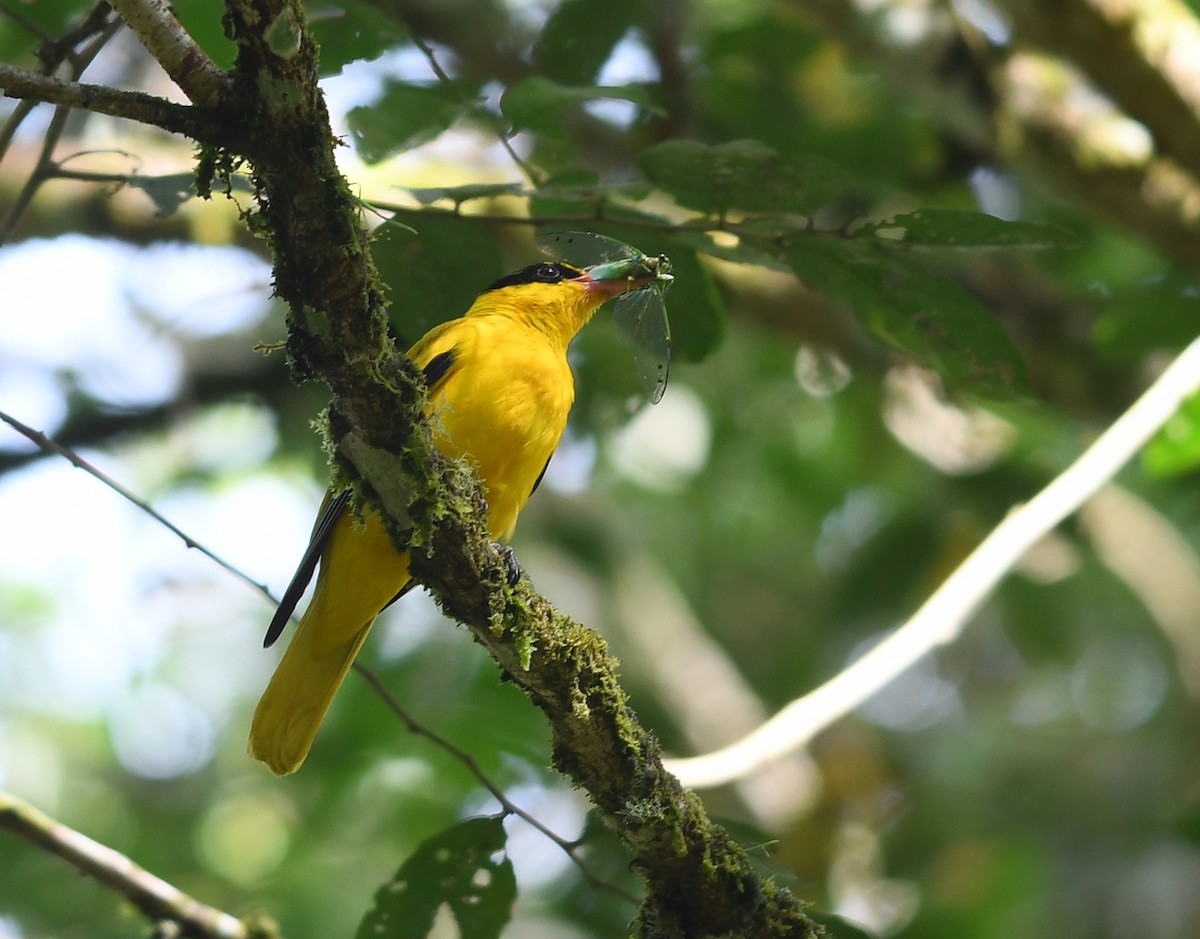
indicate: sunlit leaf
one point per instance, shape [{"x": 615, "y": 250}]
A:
[
  {"x": 465, "y": 868},
  {"x": 956, "y": 228},
  {"x": 1175, "y": 449}
]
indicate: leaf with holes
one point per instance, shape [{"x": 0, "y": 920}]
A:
[
  {"x": 958, "y": 228},
  {"x": 464, "y": 868},
  {"x": 743, "y": 175},
  {"x": 930, "y": 318}
]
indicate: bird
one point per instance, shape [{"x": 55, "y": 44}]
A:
[{"x": 499, "y": 393}]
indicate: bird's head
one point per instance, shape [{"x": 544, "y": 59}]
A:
[{"x": 555, "y": 297}]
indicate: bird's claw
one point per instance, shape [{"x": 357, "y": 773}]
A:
[{"x": 511, "y": 565}]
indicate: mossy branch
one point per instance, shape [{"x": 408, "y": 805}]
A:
[{"x": 271, "y": 116}]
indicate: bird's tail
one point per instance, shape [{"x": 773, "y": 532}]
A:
[{"x": 291, "y": 709}]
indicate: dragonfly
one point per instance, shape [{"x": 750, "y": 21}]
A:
[{"x": 640, "y": 313}]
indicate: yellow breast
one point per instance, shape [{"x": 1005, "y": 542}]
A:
[{"x": 504, "y": 405}]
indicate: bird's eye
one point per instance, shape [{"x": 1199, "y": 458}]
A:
[{"x": 550, "y": 273}]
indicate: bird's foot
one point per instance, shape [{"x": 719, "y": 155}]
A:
[{"x": 511, "y": 565}]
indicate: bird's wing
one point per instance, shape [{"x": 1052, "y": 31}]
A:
[
  {"x": 331, "y": 510},
  {"x": 436, "y": 355}
]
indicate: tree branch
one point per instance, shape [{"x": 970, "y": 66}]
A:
[
  {"x": 1004, "y": 115},
  {"x": 699, "y": 881},
  {"x": 165, "y": 38},
  {"x": 154, "y": 897},
  {"x": 1145, "y": 56},
  {"x": 134, "y": 105},
  {"x": 943, "y": 617}
]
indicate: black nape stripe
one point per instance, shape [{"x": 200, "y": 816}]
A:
[{"x": 544, "y": 273}]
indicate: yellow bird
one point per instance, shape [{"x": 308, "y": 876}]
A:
[{"x": 500, "y": 390}]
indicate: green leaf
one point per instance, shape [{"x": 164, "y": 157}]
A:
[
  {"x": 352, "y": 30},
  {"x": 17, "y": 43},
  {"x": 172, "y": 190},
  {"x": 959, "y": 228},
  {"x": 579, "y": 37},
  {"x": 202, "y": 20},
  {"x": 168, "y": 192},
  {"x": 542, "y": 105},
  {"x": 746, "y": 175},
  {"x": 460, "y": 194},
  {"x": 465, "y": 868},
  {"x": 695, "y": 307},
  {"x": 406, "y": 116},
  {"x": 423, "y": 269},
  {"x": 930, "y": 318},
  {"x": 571, "y": 192},
  {"x": 1163, "y": 314},
  {"x": 1175, "y": 449}
]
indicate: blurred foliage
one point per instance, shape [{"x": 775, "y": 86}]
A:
[{"x": 888, "y": 329}]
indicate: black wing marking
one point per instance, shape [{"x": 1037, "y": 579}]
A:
[
  {"x": 537, "y": 482},
  {"x": 437, "y": 368},
  {"x": 308, "y": 564}
]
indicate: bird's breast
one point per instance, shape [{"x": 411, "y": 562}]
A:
[{"x": 505, "y": 406}]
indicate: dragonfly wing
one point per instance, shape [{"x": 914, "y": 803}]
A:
[
  {"x": 583, "y": 248},
  {"x": 641, "y": 318}
]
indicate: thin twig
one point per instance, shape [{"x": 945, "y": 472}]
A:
[
  {"x": 944, "y": 616},
  {"x": 511, "y": 808},
  {"x": 133, "y": 105},
  {"x": 156, "y": 898},
  {"x": 442, "y": 76},
  {"x": 52, "y": 54},
  {"x": 49, "y": 445}
]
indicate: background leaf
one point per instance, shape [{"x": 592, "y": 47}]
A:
[
  {"x": 464, "y": 867},
  {"x": 352, "y": 31},
  {"x": 404, "y": 117},
  {"x": 928, "y": 317},
  {"x": 579, "y": 37},
  {"x": 958, "y": 228},
  {"x": 747, "y": 175},
  {"x": 415, "y": 262},
  {"x": 1175, "y": 450},
  {"x": 541, "y": 105}
]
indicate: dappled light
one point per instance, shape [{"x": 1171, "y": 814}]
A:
[{"x": 871, "y": 505}]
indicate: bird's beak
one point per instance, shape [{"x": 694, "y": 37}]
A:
[{"x": 615, "y": 278}]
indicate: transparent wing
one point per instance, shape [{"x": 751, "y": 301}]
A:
[
  {"x": 640, "y": 314},
  {"x": 641, "y": 318},
  {"x": 583, "y": 249}
]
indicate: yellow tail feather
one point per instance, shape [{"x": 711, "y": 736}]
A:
[
  {"x": 291, "y": 709},
  {"x": 367, "y": 573}
]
